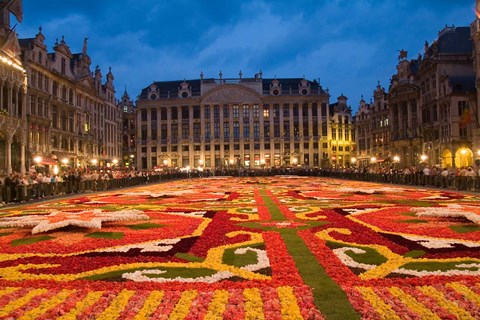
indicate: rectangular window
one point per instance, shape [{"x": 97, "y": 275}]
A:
[
  {"x": 185, "y": 131},
  {"x": 226, "y": 130},
  {"x": 196, "y": 112},
  {"x": 216, "y": 112},
  {"x": 225, "y": 111},
  {"x": 256, "y": 112},
  {"x": 207, "y": 131},
  {"x": 216, "y": 130},
  {"x": 266, "y": 111},
  {"x": 256, "y": 130},
  {"x": 246, "y": 130},
  {"x": 196, "y": 130},
  {"x": 154, "y": 131},
  {"x": 276, "y": 130},
  {"x": 185, "y": 113},
  {"x": 276, "y": 110},
  {"x": 245, "y": 111},
  {"x": 235, "y": 111},
  {"x": 286, "y": 111},
  {"x": 236, "y": 130},
  {"x": 207, "y": 113}
]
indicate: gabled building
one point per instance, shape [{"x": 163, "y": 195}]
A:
[
  {"x": 73, "y": 118},
  {"x": 372, "y": 127},
  {"x": 342, "y": 135},
  {"x": 129, "y": 130}
]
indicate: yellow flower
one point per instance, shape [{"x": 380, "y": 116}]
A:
[
  {"x": 253, "y": 304},
  {"x": 150, "y": 304},
  {"x": 116, "y": 306},
  {"x": 217, "y": 305}
]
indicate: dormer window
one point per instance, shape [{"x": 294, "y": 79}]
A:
[
  {"x": 153, "y": 96},
  {"x": 64, "y": 64},
  {"x": 304, "y": 88},
  {"x": 275, "y": 88},
  {"x": 185, "y": 91}
]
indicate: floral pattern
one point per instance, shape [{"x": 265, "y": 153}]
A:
[{"x": 222, "y": 249}]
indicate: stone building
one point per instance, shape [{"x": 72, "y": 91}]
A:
[
  {"x": 429, "y": 115},
  {"x": 236, "y": 123},
  {"x": 73, "y": 118},
  {"x": 430, "y": 100},
  {"x": 13, "y": 97},
  {"x": 372, "y": 129},
  {"x": 129, "y": 130},
  {"x": 341, "y": 143}
]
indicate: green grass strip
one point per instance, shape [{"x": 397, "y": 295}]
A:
[
  {"x": 275, "y": 212},
  {"x": 189, "y": 257},
  {"x": 329, "y": 298},
  {"x": 143, "y": 226},
  {"x": 30, "y": 240},
  {"x": 105, "y": 235},
  {"x": 465, "y": 228}
]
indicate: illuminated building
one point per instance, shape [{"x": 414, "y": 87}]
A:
[
  {"x": 72, "y": 116},
  {"x": 240, "y": 123},
  {"x": 13, "y": 93}
]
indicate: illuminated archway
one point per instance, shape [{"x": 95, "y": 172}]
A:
[
  {"x": 463, "y": 157},
  {"x": 447, "y": 158}
]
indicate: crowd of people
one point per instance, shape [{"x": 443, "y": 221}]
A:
[{"x": 35, "y": 184}]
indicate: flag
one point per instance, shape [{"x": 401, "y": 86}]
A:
[
  {"x": 15, "y": 7},
  {"x": 11, "y": 46},
  {"x": 465, "y": 118}
]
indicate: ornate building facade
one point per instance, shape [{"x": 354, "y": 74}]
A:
[
  {"x": 241, "y": 122},
  {"x": 13, "y": 97},
  {"x": 372, "y": 129},
  {"x": 429, "y": 115},
  {"x": 129, "y": 130},
  {"x": 73, "y": 119}
]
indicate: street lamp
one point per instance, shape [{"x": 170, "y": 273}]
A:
[
  {"x": 423, "y": 157},
  {"x": 94, "y": 162},
  {"x": 373, "y": 160},
  {"x": 37, "y": 160}
]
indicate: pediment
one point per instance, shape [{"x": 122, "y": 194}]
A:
[{"x": 231, "y": 95}]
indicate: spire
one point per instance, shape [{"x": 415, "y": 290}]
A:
[{"x": 84, "y": 51}]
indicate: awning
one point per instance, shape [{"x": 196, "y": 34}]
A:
[{"x": 48, "y": 161}]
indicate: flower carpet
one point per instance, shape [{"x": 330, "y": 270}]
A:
[{"x": 283, "y": 247}]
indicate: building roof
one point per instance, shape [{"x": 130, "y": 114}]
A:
[
  {"x": 455, "y": 40},
  {"x": 465, "y": 84},
  {"x": 171, "y": 88}
]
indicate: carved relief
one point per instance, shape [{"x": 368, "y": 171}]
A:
[{"x": 231, "y": 95}]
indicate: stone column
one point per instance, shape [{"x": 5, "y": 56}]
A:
[
  {"x": 23, "y": 143},
  {"x": 8, "y": 146}
]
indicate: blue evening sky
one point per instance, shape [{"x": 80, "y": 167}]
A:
[{"x": 349, "y": 45}]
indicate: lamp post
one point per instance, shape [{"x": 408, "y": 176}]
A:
[
  {"x": 423, "y": 159},
  {"x": 353, "y": 161}
]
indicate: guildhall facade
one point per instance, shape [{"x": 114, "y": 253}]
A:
[{"x": 249, "y": 123}]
